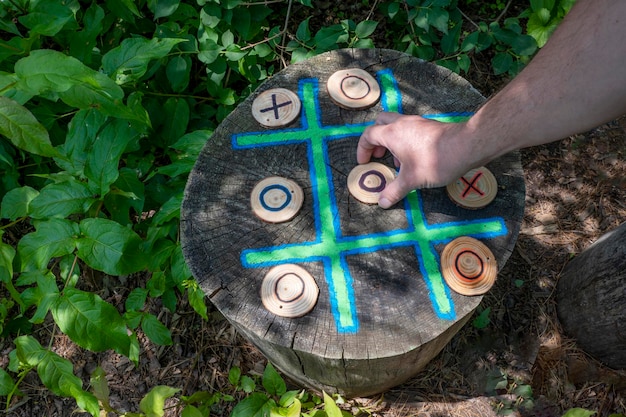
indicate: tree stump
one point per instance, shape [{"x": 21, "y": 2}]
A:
[
  {"x": 591, "y": 299},
  {"x": 383, "y": 310}
]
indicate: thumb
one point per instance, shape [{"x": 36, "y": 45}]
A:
[{"x": 395, "y": 191}]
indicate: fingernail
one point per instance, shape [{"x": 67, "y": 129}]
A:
[{"x": 384, "y": 203}]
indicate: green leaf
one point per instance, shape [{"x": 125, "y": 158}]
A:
[
  {"x": 48, "y": 17},
  {"x": 329, "y": 37},
  {"x": 178, "y": 72},
  {"x": 247, "y": 384},
  {"x": 7, "y": 384},
  {"x": 365, "y": 28},
  {"x": 136, "y": 299},
  {"x": 19, "y": 125},
  {"x": 83, "y": 43},
  {"x": 163, "y": 8},
  {"x": 129, "y": 61},
  {"x": 501, "y": 62},
  {"x": 524, "y": 45},
  {"x": 91, "y": 322},
  {"x": 540, "y": 31},
  {"x": 331, "y": 407},
  {"x": 450, "y": 41},
  {"x": 233, "y": 52},
  {"x": 155, "y": 330},
  {"x": 304, "y": 33},
  {"x": 100, "y": 386},
  {"x": 82, "y": 132},
  {"x": 59, "y": 200},
  {"x": 45, "y": 70},
  {"x": 56, "y": 373},
  {"x": 252, "y": 406},
  {"x": 273, "y": 383},
  {"x": 482, "y": 319},
  {"x": 52, "y": 238},
  {"x": 180, "y": 269},
  {"x": 439, "y": 18},
  {"x": 102, "y": 163},
  {"x": 110, "y": 247},
  {"x": 175, "y": 125},
  {"x": 579, "y": 412},
  {"x": 233, "y": 375},
  {"x": 169, "y": 210},
  {"x": 47, "y": 293},
  {"x": 154, "y": 401},
  {"x": 7, "y": 254},
  {"x": 15, "y": 203},
  {"x": 196, "y": 299},
  {"x": 126, "y": 193},
  {"x": 8, "y": 83}
]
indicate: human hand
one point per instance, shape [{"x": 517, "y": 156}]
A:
[{"x": 428, "y": 153}]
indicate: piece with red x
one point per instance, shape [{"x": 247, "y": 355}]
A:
[{"x": 475, "y": 189}]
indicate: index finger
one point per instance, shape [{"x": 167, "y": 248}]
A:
[{"x": 369, "y": 146}]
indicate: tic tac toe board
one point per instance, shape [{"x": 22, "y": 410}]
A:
[{"x": 383, "y": 309}]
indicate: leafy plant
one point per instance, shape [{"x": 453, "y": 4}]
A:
[
  {"x": 268, "y": 395},
  {"x": 104, "y": 108}
]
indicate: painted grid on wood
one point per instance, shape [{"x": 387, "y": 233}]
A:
[{"x": 330, "y": 247}]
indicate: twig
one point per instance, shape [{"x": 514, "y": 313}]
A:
[
  {"x": 469, "y": 19},
  {"x": 371, "y": 12},
  {"x": 503, "y": 11},
  {"x": 282, "y": 44}
]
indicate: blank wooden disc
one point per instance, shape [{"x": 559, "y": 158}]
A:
[
  {"x": 276, "y": 107},
  {"x": 353, "y": 88},
  {"x": 289, "y": 291},
  {"x": 276, "y": 199},
  {"x": 366, "y": 181},
  {"x": 474, "y": 190},
  {"x": 468, "y": 266}
]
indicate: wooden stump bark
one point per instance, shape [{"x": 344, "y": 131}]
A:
[
  {"x": 591, "y": 299},
  {"x": 383, "y": 310}
]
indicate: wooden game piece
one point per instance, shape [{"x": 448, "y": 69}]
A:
[
  {"x": 289, "y": 290},
  {"x": 353, "y": 89},
  {"x": 276, "y": 199},
  {"x": 276, "y": 107},
  {"x": 366, "y": 181},
  {"x": 468, "y": 266},
  {"x": 474, "y": 190}
]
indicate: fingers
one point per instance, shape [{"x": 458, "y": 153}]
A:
[
  {"x": 371, "y": 142},
  {"x": 395, "y": 191}
]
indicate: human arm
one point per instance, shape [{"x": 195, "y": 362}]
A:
[{"x": 577, "y": 81}]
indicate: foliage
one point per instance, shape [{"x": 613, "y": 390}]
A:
[{"x": 104, "y": 108}]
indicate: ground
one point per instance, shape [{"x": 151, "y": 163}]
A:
[
  {"x": 520, "y": 361},
  {"x": 575, "y": 193}
]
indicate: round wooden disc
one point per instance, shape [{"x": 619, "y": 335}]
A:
[
  {"x": 353, "y": 88},
  {"x": 276, "y": 199},
  {"x": 468, "y": 266},
  {"x": 474, "y": 190},
  {"x": 289, "y": 290},
  {"x": 366, "y": 181},
  {"x": 276, "y": 107}
]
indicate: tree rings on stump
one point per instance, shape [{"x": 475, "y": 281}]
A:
[
  {"x": 474, "y": 190},
  {"x": 276, "y": 199},
  {"x": 276, "y": 107},
  {"x": 468, "y": 266},
  {"x": 289, "y": 290},
  {"x": 366, "y": 181},
  {"x": 353, "y": 89}
]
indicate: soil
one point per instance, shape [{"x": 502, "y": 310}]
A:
[{"x": 520, "y": 362}]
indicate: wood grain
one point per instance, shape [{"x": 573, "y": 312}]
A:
[{"x": 383, "y": 310}]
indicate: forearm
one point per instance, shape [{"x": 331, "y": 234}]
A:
[{"x": 576, "y": 82}]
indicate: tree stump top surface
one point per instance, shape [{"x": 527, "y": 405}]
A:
[{"x": 381, "y": 291}]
